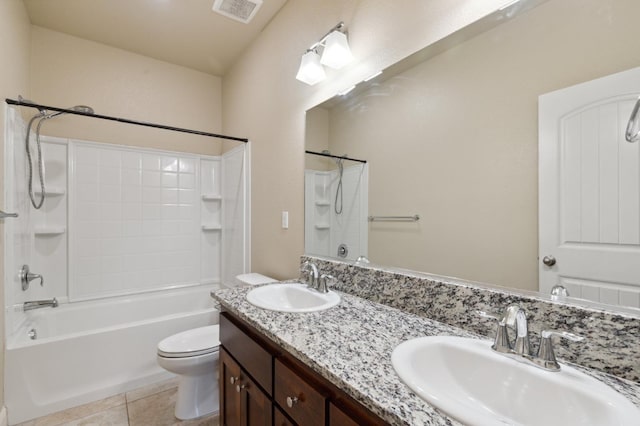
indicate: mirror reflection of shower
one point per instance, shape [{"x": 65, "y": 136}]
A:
[
  {"x": 42, "y": 116},
  {"x": 336, "y": 205}
]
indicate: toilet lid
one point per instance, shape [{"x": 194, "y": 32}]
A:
[{"x": 198, "y": 341}]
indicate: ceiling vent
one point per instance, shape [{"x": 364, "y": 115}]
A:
[{"x": 240, "y": 10}]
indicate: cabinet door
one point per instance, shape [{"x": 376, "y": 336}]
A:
[
  {"x": 256, "y": 406},
  {"x": 230, "y": 375},
  {"x": 337, "y": 417},
  {"x": 280, "y": 419}
]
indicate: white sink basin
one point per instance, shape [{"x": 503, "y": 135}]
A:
[
  {"x": 473, "y": 384},
  {"x": 291, "y": 297}
]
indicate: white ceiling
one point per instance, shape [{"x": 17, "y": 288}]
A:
[{"x": 182, "y": 32}]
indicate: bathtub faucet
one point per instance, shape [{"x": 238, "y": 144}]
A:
[{"x": 37, "y": 304}]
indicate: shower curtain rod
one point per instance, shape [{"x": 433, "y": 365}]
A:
[
  {"x": 341, "y": 157},
  {"x": 122, "y": 120}
]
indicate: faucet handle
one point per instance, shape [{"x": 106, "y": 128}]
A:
[
  {"x": 546, "y": 357},
  {"x": 501, "y": 341},
  {"x": 490, "y": 315},
  {"x": 325, "y": 281},
  {"x": 562, "y": 333},
  {"x": 26, "y": 277}
]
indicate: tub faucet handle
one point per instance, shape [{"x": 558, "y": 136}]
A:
[{"x": 26, "y": 277}]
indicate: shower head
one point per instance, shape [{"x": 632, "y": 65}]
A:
[
  {"x": 83, "y": 108},
  {"x": 337, "y": 160}
]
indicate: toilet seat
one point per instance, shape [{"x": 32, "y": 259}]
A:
[{"x": 190, "y": 343}]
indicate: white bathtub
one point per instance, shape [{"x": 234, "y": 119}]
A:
[{"x": 91, "y": 350}]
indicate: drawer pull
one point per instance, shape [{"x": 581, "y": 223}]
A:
[
  {"x": 233, "y": 380},
  {"x": 291, "y": 401},
  {"x": 240, "y": 387}
]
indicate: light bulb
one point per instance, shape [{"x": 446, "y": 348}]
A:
[
  {"x": 336, "y": 52},
  {"x": 310, "y": 71}
]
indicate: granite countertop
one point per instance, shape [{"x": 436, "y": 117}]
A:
[{"x": 351, "y": 344}]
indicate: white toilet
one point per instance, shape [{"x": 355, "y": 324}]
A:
[{"x": 193, "y": 355}]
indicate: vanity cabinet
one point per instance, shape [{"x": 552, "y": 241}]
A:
[
  {"x": 242, "y": 401},
  {"x": 262, "y": 384}
]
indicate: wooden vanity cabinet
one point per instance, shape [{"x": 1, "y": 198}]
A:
[
  {"x": 261, "y": 384},
  {"x": 242, "y": 402}
]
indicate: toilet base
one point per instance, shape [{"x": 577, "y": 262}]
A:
[{"x": 197, "y": 396}]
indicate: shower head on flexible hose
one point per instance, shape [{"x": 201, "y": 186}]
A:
[{"x": 43, "y": 116}]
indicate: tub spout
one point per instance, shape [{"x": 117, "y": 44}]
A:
[{"x": 37, "y": 304}]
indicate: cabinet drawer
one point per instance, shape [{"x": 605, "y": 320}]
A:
[
  {"x": 254, "y": 359},
  {"x": 297, "y": 398},
  {"x": 337, "y": 417}
]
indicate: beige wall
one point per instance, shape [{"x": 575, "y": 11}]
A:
[
  {"x": 263, "y": 100},
  {"x": 15, "y": 33},
  {"x": 67, "y": 71},
  {"x": 455, "y": 139}
]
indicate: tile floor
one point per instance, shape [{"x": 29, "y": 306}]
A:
[{"x": 148, "y": 406}]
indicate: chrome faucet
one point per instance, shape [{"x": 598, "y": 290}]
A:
[
  {"x": 515, "y": 317},
  {"x": 314, "y": 279},
  {"x": 312, "y": 274},
  {"x": 37, "y": 304}
]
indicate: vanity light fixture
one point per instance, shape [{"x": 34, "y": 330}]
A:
[{"x": 335, "y": 54}]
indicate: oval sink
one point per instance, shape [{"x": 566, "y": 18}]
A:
[
  {"x": 291, "y": 297},
  {"x": 470, "y": 382}
]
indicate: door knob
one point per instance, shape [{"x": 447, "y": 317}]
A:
[{"x": 549, "y": 260}]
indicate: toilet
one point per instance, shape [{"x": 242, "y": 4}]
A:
[{"x": 193, "y": 355}]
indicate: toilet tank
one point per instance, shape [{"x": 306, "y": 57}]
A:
[{"x": 245, "y": 280}]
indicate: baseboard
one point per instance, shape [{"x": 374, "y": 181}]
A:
[{"x": 3, "y": 417}]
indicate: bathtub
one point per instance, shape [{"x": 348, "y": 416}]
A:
[{"x": 87, "y": 351}]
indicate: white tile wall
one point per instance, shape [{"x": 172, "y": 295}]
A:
[
  {"x": 135, "y": 221},
  {"x": 130, "y": 220}
]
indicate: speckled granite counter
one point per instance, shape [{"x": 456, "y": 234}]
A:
[
  {"x": 351, "y": 344},
  {"x": 612, "y": 338}
]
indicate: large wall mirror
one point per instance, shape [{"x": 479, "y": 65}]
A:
[{"x": 450, "y": 135}]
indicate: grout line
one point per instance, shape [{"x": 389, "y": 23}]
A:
[{"x": 126, "y": 403}]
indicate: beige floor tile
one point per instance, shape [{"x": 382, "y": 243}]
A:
[
  {"x": 79, "y": 412},
  {"x": 151, "y": 389},
  {"x": 154, "y": 410},
  {"x": 116, "y": 416},
  {"x": 213, "y": 420}
]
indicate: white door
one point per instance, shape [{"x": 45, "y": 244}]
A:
[{"x": 589, "y": 191}]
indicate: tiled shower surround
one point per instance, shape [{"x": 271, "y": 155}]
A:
[{"x": 612, "y": 340}]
